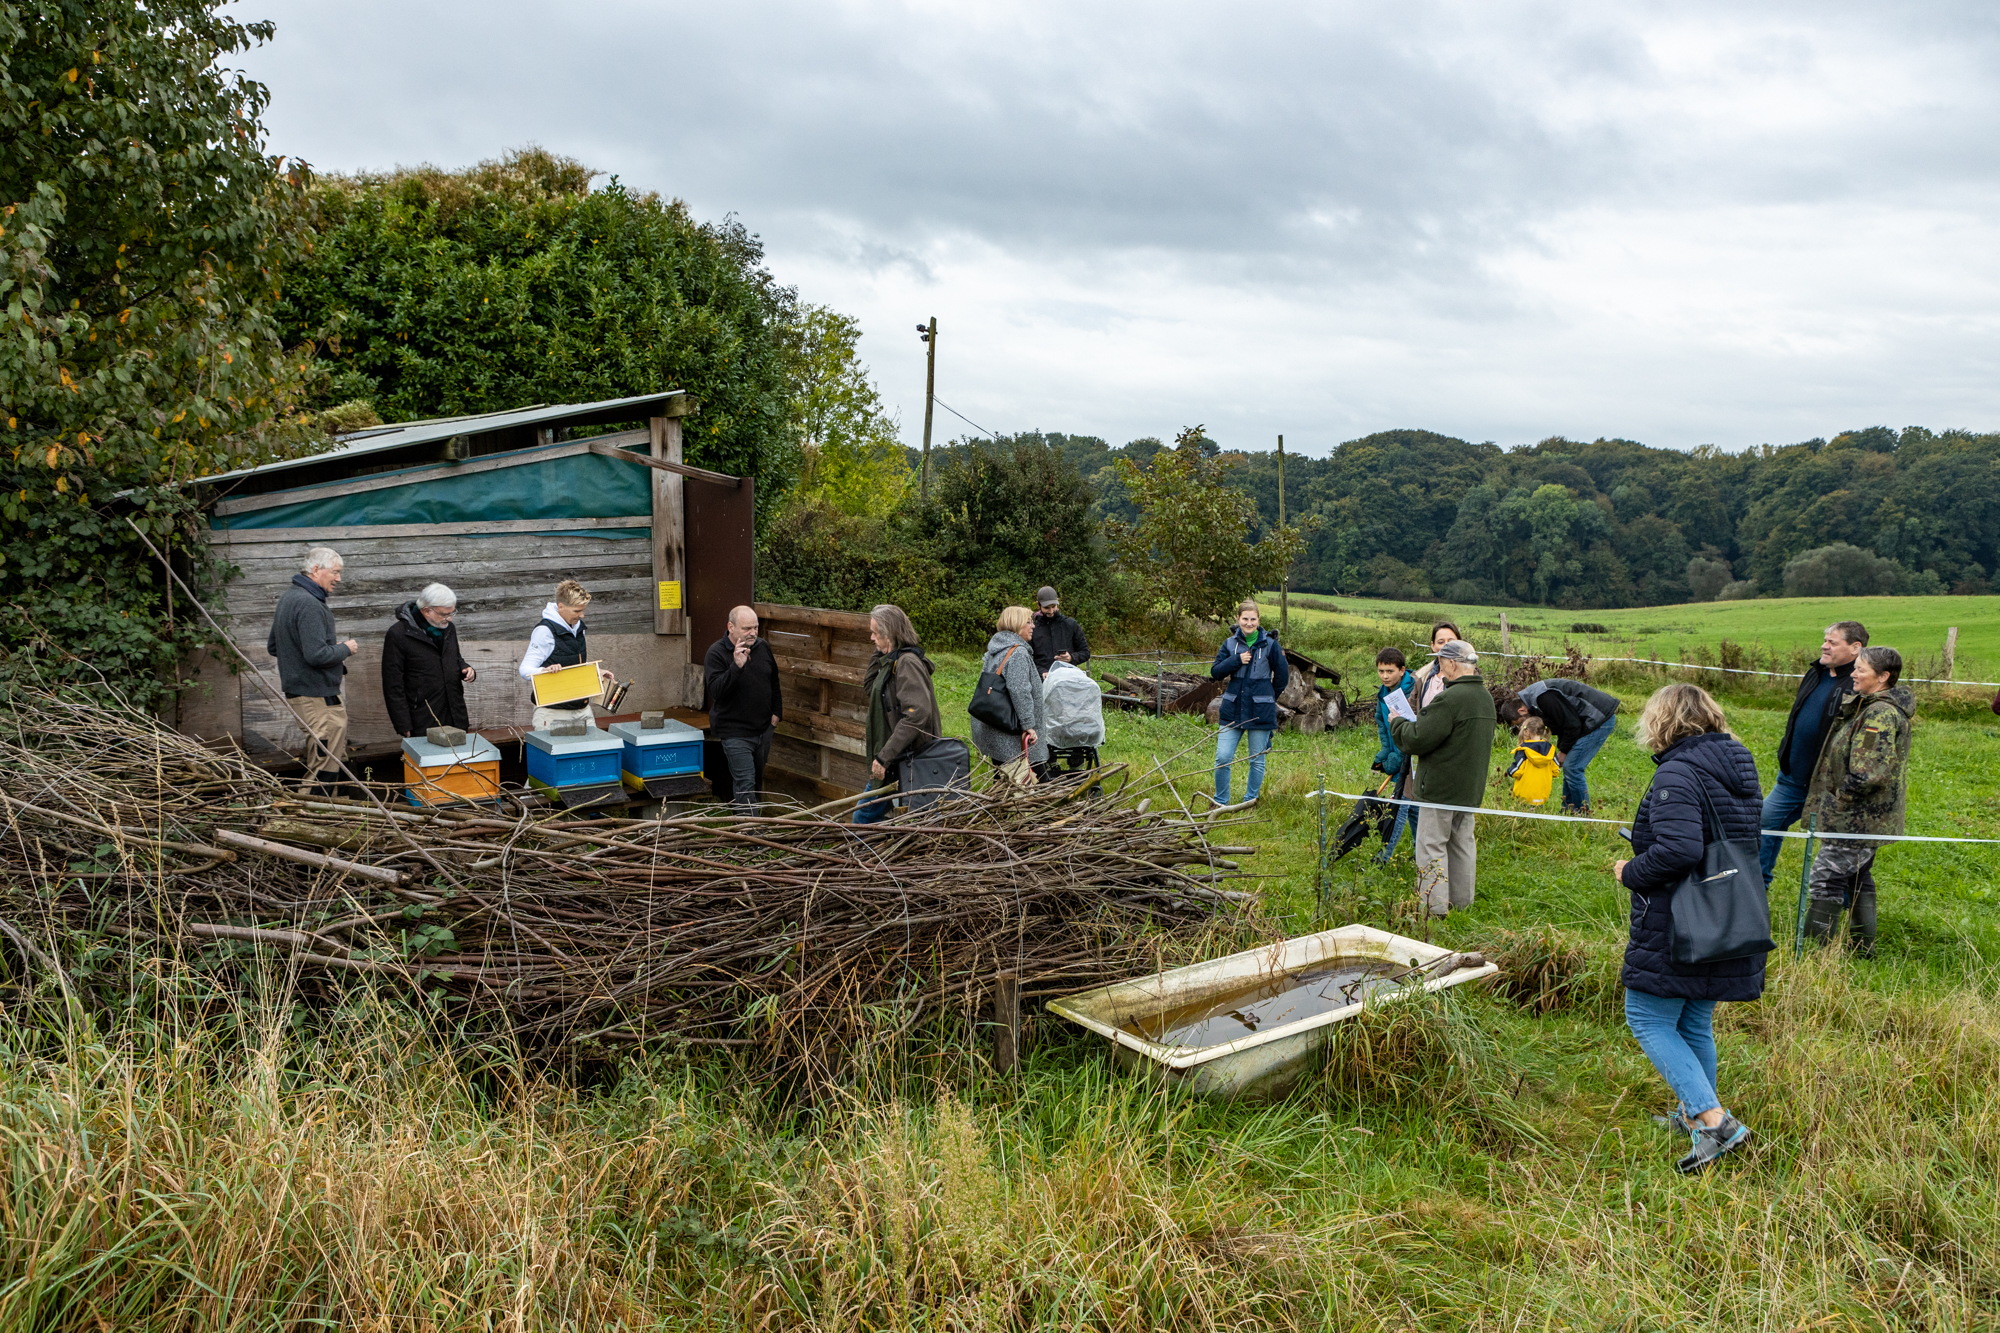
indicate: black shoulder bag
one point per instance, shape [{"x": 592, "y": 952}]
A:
[
  {"x": 991, "y": 703},
  {"x": 1721, "y": 911},
  {"x": 944, "y": 764}
]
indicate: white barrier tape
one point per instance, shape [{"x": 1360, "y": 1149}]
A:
[
  {"x": 1586, "y": 819},
  {"x": 1734, "y": 671}
]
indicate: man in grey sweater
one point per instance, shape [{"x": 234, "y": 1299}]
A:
[{"x": 311, "y": 663}]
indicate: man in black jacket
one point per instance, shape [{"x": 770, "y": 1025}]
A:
[
  {"x": 744, "y": 708},
  {"x": 423, "y": 674},
  {"x": 1582, "y": 719},
  {"x": 1057, "y": 638},
  {"x": 1821, "y": 690}
]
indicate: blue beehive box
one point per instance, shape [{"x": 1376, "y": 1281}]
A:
[
  {"x": 672, "y": 750},
  {"x": 574, "y": 769}
]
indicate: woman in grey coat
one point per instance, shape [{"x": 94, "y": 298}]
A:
[{"x": 1009, "y": 644}]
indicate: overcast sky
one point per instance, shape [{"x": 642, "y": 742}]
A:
[{"x": 1683, "y": 224}]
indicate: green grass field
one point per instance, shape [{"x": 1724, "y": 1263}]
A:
[
  {"x": 1472, "y": 1164},
  {"x": 1779, "y": 628}
]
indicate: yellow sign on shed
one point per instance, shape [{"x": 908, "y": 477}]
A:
[
  {"x": 567, "y": 685},
  {"x": 670, "y": 594}
]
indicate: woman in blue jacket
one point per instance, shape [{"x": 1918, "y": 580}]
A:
[
  {"x": 1670, "y": 1006},
  {"x": 1255, "y": 669}
]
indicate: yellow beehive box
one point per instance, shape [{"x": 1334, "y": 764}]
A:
[
  {"x": 567, "y": 685},
  {"x": 441, "y": 775}
]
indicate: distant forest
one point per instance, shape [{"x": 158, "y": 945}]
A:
[{"x": 1412, "y": 514}]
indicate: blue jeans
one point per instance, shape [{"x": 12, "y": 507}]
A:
[
  {"x": 1678, "y": 1036},
  {"x": 1781, "y": 810},
  {"x": 1226, "y": 741},
  {"x": 1576, "y": 792},
  {"x": 873, "y": 811}
]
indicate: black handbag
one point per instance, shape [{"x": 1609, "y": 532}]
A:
[
  {"x": 991, "y": 703},
  {"x": 944, "y": 764},
  {"x": 1721, "y": 911}
]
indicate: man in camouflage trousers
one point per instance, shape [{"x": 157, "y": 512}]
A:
[{"x": 1857, "y": 787}]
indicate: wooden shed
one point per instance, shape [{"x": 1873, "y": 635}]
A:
[{"x": 501, "y": 507}]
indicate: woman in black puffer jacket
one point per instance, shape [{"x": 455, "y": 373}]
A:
[{"x": 1670, "y": 1006}]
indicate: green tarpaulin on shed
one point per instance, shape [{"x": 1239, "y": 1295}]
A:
[{"x": 579, "y": 486}]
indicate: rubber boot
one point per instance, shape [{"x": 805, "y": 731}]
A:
[
  {"x": 330, "y": 781},
  {"x": 1861, "y": 924},
  {"x": 1822, "y": 918}
]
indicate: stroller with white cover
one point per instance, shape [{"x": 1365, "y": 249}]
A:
[{"x": 1074, "y": 706}]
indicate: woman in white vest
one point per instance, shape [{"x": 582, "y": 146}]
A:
[{"x": 558, "y": 642}]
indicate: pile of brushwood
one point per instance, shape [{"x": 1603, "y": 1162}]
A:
[{"x": 133, "y": 856}]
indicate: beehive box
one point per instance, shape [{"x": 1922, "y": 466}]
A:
[
  {"x": 574, "y": 769},
  {"x": 661, "y": 752},
  {"x": 449, "y": 775}
]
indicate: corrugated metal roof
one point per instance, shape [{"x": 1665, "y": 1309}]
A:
[{"x": 379, "y": 439}]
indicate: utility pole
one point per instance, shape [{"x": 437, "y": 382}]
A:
[
  {"x": 928, "y": 332},
  {"x": 1285, "y": 583}
]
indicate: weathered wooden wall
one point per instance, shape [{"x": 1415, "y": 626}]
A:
[
  {"x": 822, "y": 658},
  {"x": 502, "y": 583}
]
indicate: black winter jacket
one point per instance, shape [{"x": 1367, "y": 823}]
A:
[
  {"x": 1843, "y": 686},
  {"x": 1668, "y": 838},
  {"x": 1058, "y": 634},
  {"x": 422, "y": 678},
  {"x": 1571, "y": 708}
]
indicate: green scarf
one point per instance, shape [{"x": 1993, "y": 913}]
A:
[
  {"x": 876, "y": 680},
  {"x": 1250, "y": 639}
]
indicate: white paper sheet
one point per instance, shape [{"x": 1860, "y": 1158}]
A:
[{"x": 1399, "y": 706}]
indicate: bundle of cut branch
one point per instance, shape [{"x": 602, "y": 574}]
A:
[{"x": 792, "y": 936}]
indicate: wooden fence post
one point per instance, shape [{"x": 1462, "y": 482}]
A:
[
  {"x": 1506, "y": 644},
  {"x": 1950, "y": 649},
  {"x": 1006, "y": 1022}
]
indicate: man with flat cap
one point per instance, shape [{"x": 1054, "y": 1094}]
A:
[
  {"x": 1056, "y": 638},
  {"x": 1452, "y": 740}
]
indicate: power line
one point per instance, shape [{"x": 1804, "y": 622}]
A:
[{"x": 966, "y": 419}]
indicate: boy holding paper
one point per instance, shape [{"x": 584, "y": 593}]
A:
[{"x": 1392, "y": 699}]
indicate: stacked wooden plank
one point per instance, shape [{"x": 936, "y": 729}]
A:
[{"x": 822, "y": 661}]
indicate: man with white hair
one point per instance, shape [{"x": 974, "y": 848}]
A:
[
  {"x": 423, "y": 674},
  {"x": 1452, "y": 740},
  {"x": 311, "y": 663}
]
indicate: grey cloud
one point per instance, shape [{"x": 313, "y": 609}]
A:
[{"x": 1377, "y": 172}]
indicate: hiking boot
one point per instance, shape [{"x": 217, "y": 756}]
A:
[
  {"x": 1861, "y": 924},
  {"x": 1822, "y": 916},
  {"x": 1711, "y": 1142}
]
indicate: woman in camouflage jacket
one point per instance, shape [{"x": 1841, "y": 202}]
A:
[{"x": 1857, "y": 787}]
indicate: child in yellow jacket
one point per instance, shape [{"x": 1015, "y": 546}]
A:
[{"x": 1535, "y": 765}]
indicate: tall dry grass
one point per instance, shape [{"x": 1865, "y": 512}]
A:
[{"x": 1465, "y": 1163}]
